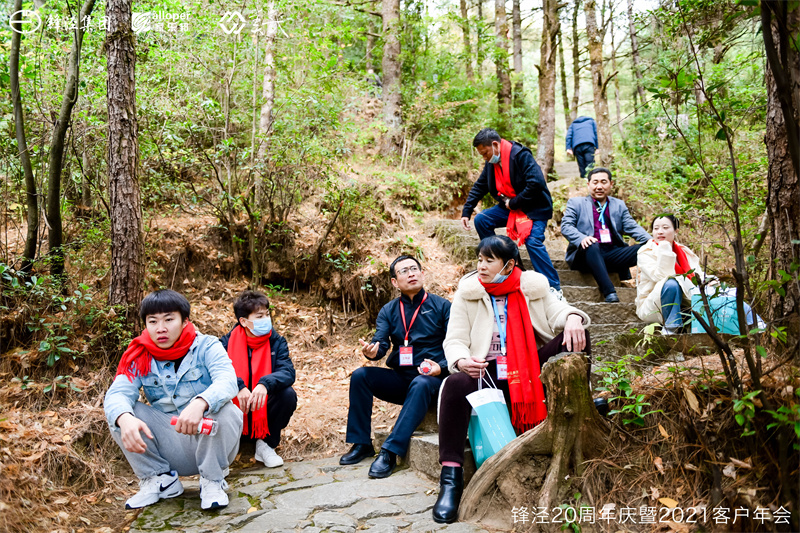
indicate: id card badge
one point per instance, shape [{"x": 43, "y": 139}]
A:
[
  {"x": 406, "y": 356},
  {"x": 605, "y": 235},
  {"x": 502, "y": 367}
]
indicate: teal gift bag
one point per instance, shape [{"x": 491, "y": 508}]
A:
[{"x": 490, "y": 424}]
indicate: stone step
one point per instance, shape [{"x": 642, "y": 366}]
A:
[
  {"x": 604, "y": 313},
  {"x": 575, "y": 294},
  {"x": 577, "y": 278}
]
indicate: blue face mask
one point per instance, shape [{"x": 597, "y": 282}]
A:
[
  {"x": 262, "y": 326},
  {"x": 495, "y": 159},
  {"x": 500, "y": 278}
]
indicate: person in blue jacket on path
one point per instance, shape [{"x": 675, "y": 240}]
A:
[{"x": 582, "y": 142}]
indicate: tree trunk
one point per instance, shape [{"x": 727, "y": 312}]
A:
[
  {"x": 371, "y": 31},
  {"x": 547, "y": 86},
  {"x": 554, "y": 451},
  {"x": 86, "y": 163},
  {"x": 637, "y": 71},
  {"x": 516, "y": 32},
  {"x": 501, "y": 61},
  {"x": 467, "y": 48},
  {"x": 127, "y": 250},
  {"x": 32, "y": 232},
  {"x": 479, "y": 52},
  {"x": 598, "y": 85},
  {"x": 392, "y": 117},
  {"x": 616, "y": 81},
  {"x": 562, "y": 72},
  {"x": 576, "y": 64},
  {"x": 56, "y": 158},
  {"x": 781, "y": 139},
  {"x": 268, "y": 86}
]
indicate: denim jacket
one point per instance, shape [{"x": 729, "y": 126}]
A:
[{"x": 205, "y": 372}]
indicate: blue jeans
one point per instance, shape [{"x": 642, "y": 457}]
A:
[
  {"x": 671, "y": 299},
  {"x": 415, "y": 395},
  {"x": 496, "y": 217}
]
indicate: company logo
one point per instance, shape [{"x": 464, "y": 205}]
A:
[
  {"x": 232, "y": 22},
  {"x": 142, "y": 22},
  {"x": 27, "y": 22}
]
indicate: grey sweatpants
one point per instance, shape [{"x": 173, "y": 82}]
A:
[{"x": 187, "y": 454}]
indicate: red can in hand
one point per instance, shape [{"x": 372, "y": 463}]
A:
[
  {"x": 425, "y": 368},
  {"x": 208, "y": 426}
]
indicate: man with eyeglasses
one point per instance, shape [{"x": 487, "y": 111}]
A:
[{"x": 415, "y": 325}]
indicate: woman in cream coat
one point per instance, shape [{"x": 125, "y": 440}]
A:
[
  {"x": 503, "y": 322},
  {"x": 664, "y": 284}
]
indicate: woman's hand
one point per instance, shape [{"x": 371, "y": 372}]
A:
[
  {"x": 244, "y": 399},
  {"x": 259, "y": 397},
  {"x": 471, "y": 366},
  {"x": 574, "y": 334}
]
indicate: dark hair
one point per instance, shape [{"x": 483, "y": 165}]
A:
[
  {"x": 500, "y": 247},
  {"x": 392, "y": 273},
  {"x": 597, "y": 170},
  {"x": 486, "y": 137},
  {"x": 164, "y": 301},
  {"x": 669, "y": 216},
  {"x": 248, "y": 303}
]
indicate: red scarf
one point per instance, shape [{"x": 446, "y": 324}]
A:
[
  {"x": 519, "y": 226},
  {"x": 261, "y": 363},
  {"x": 527, "y": 394},
  {"x": 681, "y": 261},
  {"x": 136, "y": 359}
]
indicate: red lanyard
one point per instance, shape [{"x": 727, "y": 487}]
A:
[{"x": 413, "y": 318}]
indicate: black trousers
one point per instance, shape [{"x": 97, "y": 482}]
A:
[
  {"x": 600, "y": 260},
  {"x": 414, "y": 393},
  {"x": 280, "y": 408},
  {"x": 455, "y": 409},
  {"x": 584, "y": 153}
]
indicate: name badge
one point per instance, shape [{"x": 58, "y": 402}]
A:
[
  {"x": 406, "y": 356},
  {"x": 502, "y": 367},
  {"x": 605, "y": 235}
]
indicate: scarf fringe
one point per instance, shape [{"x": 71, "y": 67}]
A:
[
  {"x": 260, "y": 427},
  {"x": 524, "y": 416}
]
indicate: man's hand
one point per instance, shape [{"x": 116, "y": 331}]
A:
[
  {"x": 258, "y": 398},
  {"x": 244, "y": 399},
  {"x": 435, "y": 368},
  {"x": 130, "y": 426},
  {"x": 189, "y": 420},
  {"x": 587, "y": 242},
  {"x": 465, "y": 223},
  {"x": 569, "y": 152},
  {"x": 574, "y": 334},
  {"x": 472, "y": 367},
  {"x": 369, "y": 350}
]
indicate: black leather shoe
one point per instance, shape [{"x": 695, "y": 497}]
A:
[
  {"x": 357, "y": 453},
  {"x": 384, "y": 465},
  {"x": 451, "y": 485},
  {"x": 612, "y": 298}
]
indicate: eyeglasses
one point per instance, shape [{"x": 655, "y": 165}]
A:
[{"x": 409, "y": 270}]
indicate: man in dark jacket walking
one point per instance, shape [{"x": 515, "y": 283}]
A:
[
  {"x": 415, "y": 324},
  {"x": 582, "y": 142},
  {"x": 265, "y": 375},
  {"x": 513, "y": 178}
]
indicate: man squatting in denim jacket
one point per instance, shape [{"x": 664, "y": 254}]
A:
[{"x": 184, "y": 374}]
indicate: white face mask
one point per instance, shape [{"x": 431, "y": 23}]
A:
[{"x": 500, "y": 277}]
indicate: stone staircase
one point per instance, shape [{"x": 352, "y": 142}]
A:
[{"x": 615, "y": 331}]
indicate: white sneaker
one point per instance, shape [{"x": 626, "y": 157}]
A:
[
  {"x": 267, "y": 455},
  {"x": 669, "y": 332},
  {"x": 559, "y": 293},
  {"x": 212, "y": 494},
  {"x": 155, "y": 488}
]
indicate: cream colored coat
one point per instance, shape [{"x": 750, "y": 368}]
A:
[
  {"x": 471, "y": 325},
  {"x": 657, "y": 265}
]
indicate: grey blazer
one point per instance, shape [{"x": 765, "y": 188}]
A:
[{"x": 578, "y": 223}]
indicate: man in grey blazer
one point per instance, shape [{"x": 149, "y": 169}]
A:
[{"x": 594, "y": 225}]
